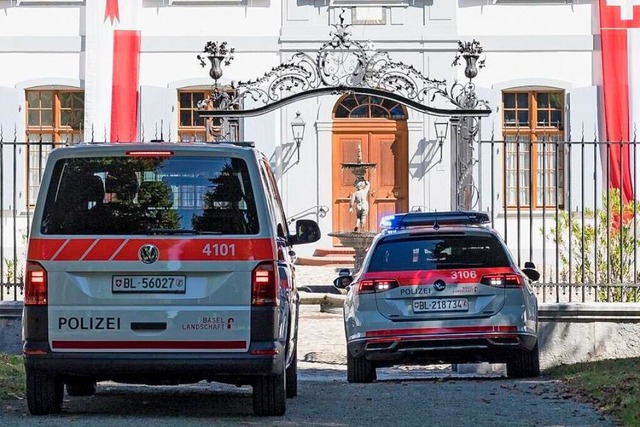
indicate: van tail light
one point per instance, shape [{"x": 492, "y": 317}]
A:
[
  {"x": 375, "y": 286},
  {"x": 508, "y": 280},
  {"x": 264, "y": 286},
  {"x": 35, "y": 285}
]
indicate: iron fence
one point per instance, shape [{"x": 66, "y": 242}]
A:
[
  {"x": 554, "y": 202},
  {"x": 571, "y": 208}
]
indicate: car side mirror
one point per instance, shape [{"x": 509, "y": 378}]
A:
[
  {"x": 530, "y": 271},
  {"x": 307, "y": 231}
]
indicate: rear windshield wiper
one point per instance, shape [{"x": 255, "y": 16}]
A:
[{"x": 178, "y": 231}]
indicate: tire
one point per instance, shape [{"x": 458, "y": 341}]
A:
[
  {"x": 292, "y": 376},
  {"x": 525, "y": 364},
  {"x": 269, "y": 395},
  {"x": 360, "y": 370},
  {"x": 81, "y": 388},
  {"x": 44, "y": 393}
]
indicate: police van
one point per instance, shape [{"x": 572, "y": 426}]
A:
[{"x": 158, "y": 264}]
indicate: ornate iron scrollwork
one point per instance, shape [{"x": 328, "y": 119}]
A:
[{"x": 341, "y": 65}]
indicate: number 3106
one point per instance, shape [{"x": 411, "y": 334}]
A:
[{"x": 464, "y": 274}]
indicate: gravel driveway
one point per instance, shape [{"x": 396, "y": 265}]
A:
[
  {"x": 404, "y": 396},
  {"x": 411, "y": 396}
]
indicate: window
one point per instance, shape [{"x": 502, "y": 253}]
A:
[
  {"x": 192, "y": 128},
  {"x": 54, "y": 117},
  {"x": 367, "y": 107},
  {"x": 127, "y": 195},
  {"x": 438, "y": 252},
  {"x": 534, "y": 153}
]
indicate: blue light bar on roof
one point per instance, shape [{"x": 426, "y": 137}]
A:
[{"x": 413, "y": 219}]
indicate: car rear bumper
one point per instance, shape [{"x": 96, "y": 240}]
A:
[
  {"x": 494, "y": 347},
  {"x": 158, "y": 367}
]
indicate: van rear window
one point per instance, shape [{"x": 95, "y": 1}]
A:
[{"x": 150, "y": 195}]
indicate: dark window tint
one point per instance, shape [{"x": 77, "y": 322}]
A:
[
  {"x": 150, "y": 195},
  {"x": 439, "y": 252}
]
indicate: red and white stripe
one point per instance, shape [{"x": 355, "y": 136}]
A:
[
  {"x": 112, "y": 70},
  {"x": 114, "y": 249},
  {"x": 620, "y": 34}
]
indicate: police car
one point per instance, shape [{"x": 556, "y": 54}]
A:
[
  {"x": 440, "y": 288},
  {"x": 161, "y": 264}
]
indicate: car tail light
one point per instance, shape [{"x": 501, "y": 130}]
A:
[
  {"x": 264, "y": 286},
  {"x": 508, "y": 280},
  {"x": 374, "y": 286},
  {"x": 36, "y": 284}
]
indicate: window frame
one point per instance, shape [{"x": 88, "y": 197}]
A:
[
  {"x": 54, "y": 133},
  {"x": 538, "y": 136},
  {"x": 233, "y": 125}
]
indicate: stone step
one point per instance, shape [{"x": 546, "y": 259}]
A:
[
  {"x": 346, "y": 261},
  {"x": 337, "y": 251}
]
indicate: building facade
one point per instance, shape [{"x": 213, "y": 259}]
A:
[{"x": 543, "y": 81}]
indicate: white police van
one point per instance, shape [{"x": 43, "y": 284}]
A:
[{"x": 161, "y": 264}]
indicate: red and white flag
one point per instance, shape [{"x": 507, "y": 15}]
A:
[
  {"x": 112, "y": 70},
  {"x": 620, "y": 34}
]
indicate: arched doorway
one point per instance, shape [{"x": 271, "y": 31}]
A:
[{"x": 379, "y": 127}]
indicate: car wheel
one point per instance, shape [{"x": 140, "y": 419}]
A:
[
  {"x": 525, "y": 364},
  {"x": 292, "y": 376},
  {"x": 360, "y": 370},
  {"x": 44, "y": 392},
  {"x": 269, "y": 395},
  {"x": 81, "y": 388}
]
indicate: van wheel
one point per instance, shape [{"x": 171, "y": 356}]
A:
[
  {"x": 292, "y": 376},
  {"x": 360, "y": 370},
  {"x": 269, "y": 395},
  {"x": 44, "y": 392},
  {"x": 81, "y": 388},
  {"x": 525, "y": 364}
]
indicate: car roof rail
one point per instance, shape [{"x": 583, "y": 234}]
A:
[{"x": 415, "y": 219}]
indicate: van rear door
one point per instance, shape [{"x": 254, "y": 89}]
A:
[{"x": 150, "y": 252}]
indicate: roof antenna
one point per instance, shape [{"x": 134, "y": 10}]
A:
[{"x": 436, "y": 226}]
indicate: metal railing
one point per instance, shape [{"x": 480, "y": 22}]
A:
[{"x": 553, "y": 202}]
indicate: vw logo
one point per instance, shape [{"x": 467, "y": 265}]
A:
[
  {"x": 148, "y": 254},
  {"x": 439, "y": 285}
]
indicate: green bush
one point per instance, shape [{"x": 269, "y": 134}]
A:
[{"x": 601, "y": 249}]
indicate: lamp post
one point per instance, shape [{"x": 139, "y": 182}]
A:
[{"x": 297, "y": 127}]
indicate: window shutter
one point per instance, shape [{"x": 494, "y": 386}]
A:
[
  {"x": 582, "y": 111},
  {"x": 489, "y": 167},
  {"x": 12, "y": 123},
  {"x": 157, "y": 121}
]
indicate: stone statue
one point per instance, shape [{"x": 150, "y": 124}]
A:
[{"x": 360, "y": 201}]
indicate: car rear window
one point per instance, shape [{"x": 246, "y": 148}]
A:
[
  {"x": 150, "y": 195},
  {"x": 438, "y": 252}
]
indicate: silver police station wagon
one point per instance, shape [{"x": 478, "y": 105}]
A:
[{"x": 440, "y": 288}]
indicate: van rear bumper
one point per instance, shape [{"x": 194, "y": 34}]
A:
[{"x": 157, "y": 367}]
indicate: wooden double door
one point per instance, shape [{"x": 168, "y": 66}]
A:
[{"x": 383, "y": 142}]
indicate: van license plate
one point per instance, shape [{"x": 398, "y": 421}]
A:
[
  {"x": 149, "y": 284},
  {"x": 444, "y": 304}
]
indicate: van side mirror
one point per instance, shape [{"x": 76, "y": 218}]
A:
[
  {"x": 530, "y": 271},
  {"x": 307, "y": 231}
]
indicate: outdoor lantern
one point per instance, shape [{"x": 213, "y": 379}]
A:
[
  {"x": 441, "y": 131},
  {"x": 297, "y": 127}
]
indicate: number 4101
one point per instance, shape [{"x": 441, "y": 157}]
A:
[{"x": 219, "y": 249}]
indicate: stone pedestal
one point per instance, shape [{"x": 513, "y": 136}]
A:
[{"x": 359, "y": 241}]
